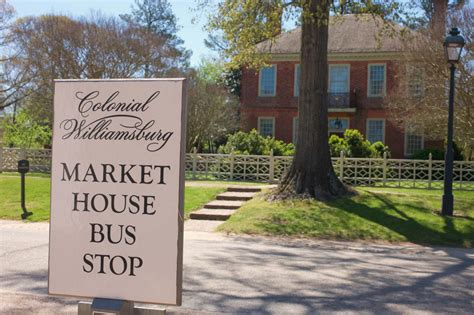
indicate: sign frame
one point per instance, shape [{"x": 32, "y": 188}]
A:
[{"x": 181, "y": 180}]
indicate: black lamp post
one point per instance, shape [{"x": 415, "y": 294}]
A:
[{"x": 453, "y": 46}]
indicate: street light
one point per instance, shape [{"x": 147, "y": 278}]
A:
[{"x": 453, "y": 46}]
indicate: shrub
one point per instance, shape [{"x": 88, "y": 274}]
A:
[
  {"x": 25, "y": 132},
  {"x": 378, "y": 149},
  {"x": 358, "y": 146},
  {"x": 458, "y": 155},
  {"x": 437, "y": 154},
  {"x": 337, "y": 144},
  {"x": 279, "y": 147},
  {"x": 253, "y": 143},
  {"x": 354, "y": 145}
]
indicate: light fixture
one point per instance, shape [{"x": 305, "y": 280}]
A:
[{"x": 453, "y": 45}]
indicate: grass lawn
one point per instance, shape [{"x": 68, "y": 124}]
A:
[
  {"x": 38, "y": 190},
  {"x": 223, "y": 183},
  {"x": 388, "y": 214},
  {"x": 196, "y": 197}
]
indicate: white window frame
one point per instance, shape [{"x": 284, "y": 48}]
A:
[
  {"x": 384, "y": 88},
  {"x": 341, "y": 119},
  {"x": 295, "y": 131},
  {"x": 348, "y": 75},
  {"x": 296, "y": 88},
  {"x": 260, "y": 118},
  {"x": 410, "y": 67},
  {"x": 274, "y": 84},
  {"x": 405, "y": 144},
  {"x": 367, "y": 127}
]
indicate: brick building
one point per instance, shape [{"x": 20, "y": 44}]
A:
[{"x": 361, "y": 73}]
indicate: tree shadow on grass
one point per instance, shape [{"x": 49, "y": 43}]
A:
[{"x": 413, "y": 229}]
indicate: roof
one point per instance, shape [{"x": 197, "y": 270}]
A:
[{"x": 351, "y": 33}]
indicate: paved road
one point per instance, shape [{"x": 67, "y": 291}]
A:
[{"x": 248, "y": 275}]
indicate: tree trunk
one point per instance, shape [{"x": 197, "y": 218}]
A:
[
  {"x": 438, "y": 22},
  {"x": 311, "y": 173}
]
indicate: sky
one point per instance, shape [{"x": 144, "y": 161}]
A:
[{"x": 192, "y": 34}]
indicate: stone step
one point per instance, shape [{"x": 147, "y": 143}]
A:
[
  {"x": 235, "y": 195},
  {"x": 244, "y": 189},
  {"x": 201, "y": 225},
  {"x": 211, "y": 214},
  {"x": 224, "y": 204}
]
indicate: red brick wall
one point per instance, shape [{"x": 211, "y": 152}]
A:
[
  {"x": 285, "y": 85},
  {"x": 284, "y": 88},
  {"x": 283, "y": 106},
  {"x": 394, "y": 136},
  {"x": 283, "y": 120}
]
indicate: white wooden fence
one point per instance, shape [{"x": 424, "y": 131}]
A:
[{"x": 381, "y": 172}]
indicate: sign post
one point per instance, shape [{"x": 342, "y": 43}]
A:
[
  {"x": 117, "y": 190},
  {"x": 23, "y": 168}
]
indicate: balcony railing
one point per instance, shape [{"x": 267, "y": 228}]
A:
[{"x": 339, "y": 100}]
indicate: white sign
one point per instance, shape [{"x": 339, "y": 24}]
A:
[{"x": 117, "y": 190}]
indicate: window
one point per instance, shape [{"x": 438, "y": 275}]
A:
[
  {"x": 376, "y": 86},
  {"x": 415, "y": 81},
  {"x": 295, "y": 129},
  {"x": 413, "y": 140},
  {"x": 338, "y": 79},
  {"x": 267, "y": 81},
  {"x": 297, "y": 80},
  {"x": 266, "y": 126},
  {"x": 375, "y": 130},
  {"x": 338, "y": 125}
]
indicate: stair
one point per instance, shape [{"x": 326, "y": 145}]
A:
[
  {"x": 235, "y": 195},
  {"x": 225, "y": 204},
  {"x": 244, "y": 189},
  {"x": 211, "y": 214}
]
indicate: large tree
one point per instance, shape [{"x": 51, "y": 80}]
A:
[
  {"x": 155, "y": 23},
  {"x": 212, "y": 110},
  {"x": 10, "y": 79},
  {"x": 246, "y": 22},
  {"x": 6, "y": 14},
  {"x": 52, "y": 47},
  {"x": 424, "y": 14},
  {"x": 48, "y": 47},
  {"x": 421, "y": 96}
]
